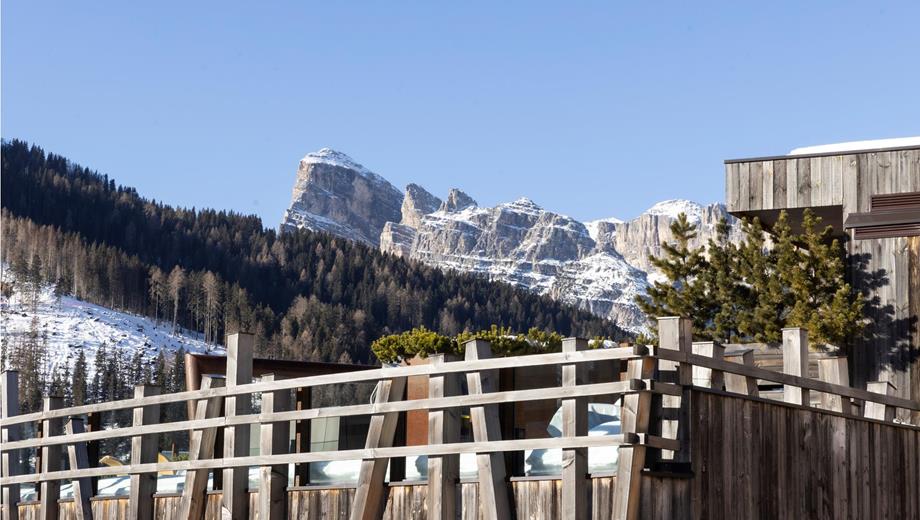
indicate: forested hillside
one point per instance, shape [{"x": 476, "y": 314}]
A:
[{"x": 305, "y": 295}]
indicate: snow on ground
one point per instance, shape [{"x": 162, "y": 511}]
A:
[{"x": 71, "y": 324}]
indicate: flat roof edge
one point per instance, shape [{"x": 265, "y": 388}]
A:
[{"x": 824, "y": 154}]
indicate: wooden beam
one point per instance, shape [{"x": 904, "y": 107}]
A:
[
  {"x": 78, "y": 458},
  {"x": 273, "y": 440},
  {"x": 574, "y": 424},
  {"x": 834, "y": 370},
  {"x": 302, "y": 436},
  {"x": 235, "y": 491},
  {"x": 537, "y": 394},
  {"x": 879, "y": 411},
  {"x": 704, "y": 376},
  {"x": 201, "y": 447},
  {"x": 344, "y": 378},
  {"x": 635, "y": 413},
  {"x": 675, "y": 333},
  {"x": 93, "y": 424},
  {"x": 795, "y": 363},
  {"x": 493, "y": 490},
  {"x": 51, "y": 461},
  {"x": 443, "y": 428},
  {"x": 11, "y": 465},
  {"x": 740, "y": 384},
  {"x": 370, "y": 492},
  {"x": 144, "y": 450}
]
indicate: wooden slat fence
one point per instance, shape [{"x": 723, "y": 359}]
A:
[{"x": 655, "y": 392}]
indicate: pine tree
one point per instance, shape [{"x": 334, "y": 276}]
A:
[
  {"x": 824, "y": 302},
  {"x": 79, "y": 385},
  {"x": 723, "y": 288},
  {"x": 683, "y": 292}
]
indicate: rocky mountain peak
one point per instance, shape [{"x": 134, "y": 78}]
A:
[
  {"x": 457, "y": 200},
  {"x": 417, "y": 202},
  {"x": 335, "y": 194}
]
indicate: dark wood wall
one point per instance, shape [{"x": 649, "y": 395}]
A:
[
  {"x": 881, "y": 267},
  {"x": 758, "y": 459}
]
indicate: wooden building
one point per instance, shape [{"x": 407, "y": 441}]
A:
[{"x": 870, "y": 193}]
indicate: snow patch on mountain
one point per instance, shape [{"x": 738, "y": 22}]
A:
[
  {"x": 593, "y": 226},
  {"x": 68, "y": 325},
  {"x": 672, "y": 208}
]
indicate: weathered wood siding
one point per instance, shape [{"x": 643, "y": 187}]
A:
[
  {"x": 760, "y": 459},
  {"x": 849, "y": 181}
]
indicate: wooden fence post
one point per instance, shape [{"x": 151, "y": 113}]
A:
[
  {"x": 795, "y": 363},
  {"x": 144, "y": 451},
  {"x": 675, "y": 333},
  {"x": 707, "y": 377},
  {"x": 11, "y": 465},
  {"x": 879, "y": 411},
  {"x": 235, "y": 492},
  {"x": 493, "y": 490},
  {"x": 443, "y": 428},
  {"x": 574, "y": 424},
  {"x": 273, "y": 440},
  {"x": 93, "y": 424},
  {"x": 635, "y": 414},
  {"x": 302, "y": 436},
  {"x": 834, "y": 370},
  {"x": 78, "y": 458},
  {"x": 737, "y": 383},
  {"x": 201, "y": 446},
  {"x": 51, "y": 460},
  {"x": 370, "y": 493}
]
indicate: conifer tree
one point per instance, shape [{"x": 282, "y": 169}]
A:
[
  {"x": 824, "y": 302},
  {"x": 683, "y": 293},
  {"x": 79, "y": 385}
]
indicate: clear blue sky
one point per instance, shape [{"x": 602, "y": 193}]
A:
[{"x": 594, "y": 110}]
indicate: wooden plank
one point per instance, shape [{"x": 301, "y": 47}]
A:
[
  {"x": 82, "y": 488},
  {"x": 51, "y": 461},
  {"x": 273, "y": 440},
  {"x": 767, "y": 185},
  {"x": 779, "y": 184},
  {"x": 370, "y": 496},
  {"x": 834, "y": 371},
  {"x": 493, "y": 490},
  {"x": 739, "y": 384},
  {"x": 795, "y": 363},
  {"x": 634, "y": 418},
  {"x": 235, "y": 491},
  {"x": 611, "y": 354},
  {"x": 704, "y": 376},
  {"x": 302, "y": 436},
  {"x": 744, "y": 186},
  {"x": 201, "y": 447},
  {"x": 11, "y": 462},
  {"x": 879, "y": 411},
  {"x": 143, "y": 451},
  {"x": 803, "y": 178},
  {"x": 755, "y": 186},
  {"x": 596, "y": 389},
  {"x": 675, "y": 333},
  {"x": 443, "y": 427},
  {"x": 574, "y": 424}
]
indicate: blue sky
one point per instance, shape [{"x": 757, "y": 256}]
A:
[{"x": 591, "y": 109}]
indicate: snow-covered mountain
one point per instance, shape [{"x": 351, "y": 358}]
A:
[
  {"x": 600, "y": 265},
  {"x": 69, "y": 324},
  {"x": 333, "y": 193}
]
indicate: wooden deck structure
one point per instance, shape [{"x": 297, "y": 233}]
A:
[
  {"x": 872, "y": 199},
  {"x": 697, "y": 441}
]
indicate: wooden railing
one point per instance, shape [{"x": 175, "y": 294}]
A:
[{"x": 222, "y": 405}]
